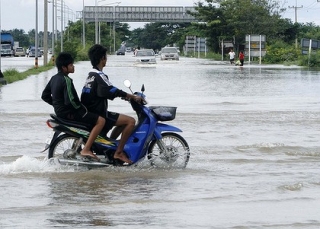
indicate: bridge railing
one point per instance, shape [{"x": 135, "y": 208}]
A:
[{"x": 137, "y": 14}]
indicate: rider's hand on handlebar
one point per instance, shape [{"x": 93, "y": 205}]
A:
[{"x": 137, "y": 99}]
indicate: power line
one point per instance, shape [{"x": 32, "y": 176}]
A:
[
  {"x": 296, "y": 17},
  {"x": 296, "y": 11}
]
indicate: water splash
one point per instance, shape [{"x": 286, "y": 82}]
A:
[
  {"x": 292, "y": 187},
  {"x": 26, "y": 164},
  {"x": 265, "y": 145}
]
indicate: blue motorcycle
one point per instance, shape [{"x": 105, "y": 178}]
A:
[{"x": 151, "y": 139}]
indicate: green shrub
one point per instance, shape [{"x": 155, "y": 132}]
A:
[
  {"x": 12, "y": 75},
  {"x": 71, "y": 47},
  {"x": 281, "y": 52},
  {"x": 83, "y": 53},
  {"x": 313, "y": 61}
]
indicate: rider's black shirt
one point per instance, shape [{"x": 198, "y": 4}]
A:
[{"x": 96, "y": 92}]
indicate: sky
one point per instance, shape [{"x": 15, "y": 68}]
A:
[{"x": 20, "y": 14}]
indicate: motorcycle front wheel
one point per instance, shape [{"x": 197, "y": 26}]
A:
[
  {"x": 65, "y": 146},
  {"x": 176, "y": 155}
]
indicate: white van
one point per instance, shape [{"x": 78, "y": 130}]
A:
[{"x": 19, "y": 51}]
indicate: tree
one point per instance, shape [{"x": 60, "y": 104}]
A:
[
  {"x": 157, "y": 35},
  {"x": 287, "y": 31},
  {"x": 176, "y": 33},
  {"x": 233, "y": 19},
  {"x": 308, "y": 30},
  {"x": 122, "y": 31},
  {"x": 153, "y": 36},
  {"x": 31, "y": 35},
  {"x": 134, "y": 39}
]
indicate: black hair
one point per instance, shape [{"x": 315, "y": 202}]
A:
[
  {"x": 63, "y": 60},
  {"x": 96, "y": 53}
]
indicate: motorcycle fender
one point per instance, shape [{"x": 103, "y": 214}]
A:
[
  {"x": 161, "y": 127},
  {"x": 48, "y": 145}
]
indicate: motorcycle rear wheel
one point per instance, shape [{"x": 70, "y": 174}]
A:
[
  {"x": 64, "y": 147},
  {"x": 177, "y": 155}
]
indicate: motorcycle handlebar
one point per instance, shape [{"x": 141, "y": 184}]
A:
[{"x": 142, "y": 101}]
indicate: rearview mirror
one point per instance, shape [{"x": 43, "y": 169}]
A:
[{"x": 127, "y": 83}]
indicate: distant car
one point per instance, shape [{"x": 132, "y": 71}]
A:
[
  {"x": 128, "y": 49},
  {"x": 145, "y": 56},
  {"x": 169, "y": 53},
  {"x": 121, "y": 51},
  {"x": 32, "y": 52},
  {"x": 41, "y": 50},
  {"x": 19, "y": 51}
]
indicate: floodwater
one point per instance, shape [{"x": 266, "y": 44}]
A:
[
  {"x": 20, "y": 63},
  {"x": 253, "y": 133}
]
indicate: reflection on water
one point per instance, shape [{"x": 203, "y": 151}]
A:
[{"x": 253, "y": 134}]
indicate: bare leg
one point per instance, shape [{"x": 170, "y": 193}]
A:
[
  {"x": 116, "y": 132},
  {"x": 127, "y": 124},
  {"x": 86, "y": 151}
]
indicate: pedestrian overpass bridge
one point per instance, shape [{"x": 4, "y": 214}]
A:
[{"x": 168, "y": 14}]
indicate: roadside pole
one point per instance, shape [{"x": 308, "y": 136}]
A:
[
  {"x": 36, "y": 39},
  {"x": 2, "y": 80},
  {"x": 45, "y": 36},
  {"x": 1, "y": 75}
]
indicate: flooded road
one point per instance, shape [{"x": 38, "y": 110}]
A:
[
  {"x": 253, "y": 135},
  {"x": 21, "y": 64}
]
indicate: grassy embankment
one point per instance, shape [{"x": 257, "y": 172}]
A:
[{"x": 12, "y": 75}]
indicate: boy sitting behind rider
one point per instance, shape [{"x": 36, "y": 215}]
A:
[
  {"x": 61, "y": 94},
  {"x": 95, "y": 94}
]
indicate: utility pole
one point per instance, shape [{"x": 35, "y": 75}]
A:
[
  {"x": 2, "y": 80},
  {"x": 62, "y": 18},
  {"x": 53, "y": 32},
  {"x": 296, "y": 17},
  {"x": 83, "y": 27},
  {"x": 96, "y": 22},
  {"x": 45, "y": 36},
  {"x": 36, "y": 65}
]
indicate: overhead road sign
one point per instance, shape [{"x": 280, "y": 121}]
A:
[{"x": 177, "y": 14}]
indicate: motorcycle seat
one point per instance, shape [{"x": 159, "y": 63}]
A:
[{"x": 71, "y": 123}]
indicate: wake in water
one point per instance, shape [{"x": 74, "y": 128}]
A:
[{"x": 26, "y": 164}]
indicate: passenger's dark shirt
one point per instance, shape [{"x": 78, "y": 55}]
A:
[{"x": 61, "y": 94}]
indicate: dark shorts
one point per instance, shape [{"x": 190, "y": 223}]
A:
[
  {"x": 87, "y": 118},
  {"x": 111, "y": 120}
]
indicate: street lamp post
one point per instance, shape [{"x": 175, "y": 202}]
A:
[
  {"x": 56, "y": 21},
  {"x": 36, "y": 38},
  {"x": 45, "y": 35},
  {"x": 69, "y": 18},
  {"x": 99, "y": 33},
  {"x": 114, "y": 28},
  {"x": 63, "y": 8},
  {"x": 61, "y": 49},
  {"x": 83, "y": 27},
  {"x": 53, "y": 32},
  {"x": 2, "y": 81},
  {"x": 96, "y": 21},
  {"x": 1, "y": 75}
]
